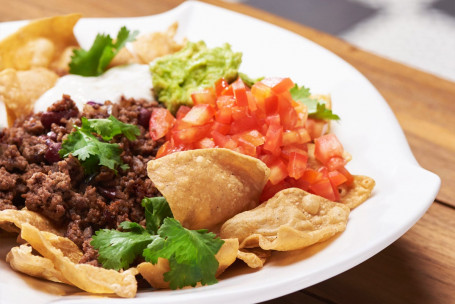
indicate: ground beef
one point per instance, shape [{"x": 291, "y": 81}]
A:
[{"x": 33, "y": 175}]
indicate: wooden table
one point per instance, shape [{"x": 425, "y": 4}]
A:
[{"x": 420, "y": 266}]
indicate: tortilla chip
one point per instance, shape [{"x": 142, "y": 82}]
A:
[
  {"x": 86, "y": 277},
  {"x": 154, "y": 274},
  {"x": 359, "y": 192},
  {"x": 60, "y": 65},
  {"x": 292, "y": 219},
  {"x": 253, "y": 257},
  {"x": 153, "y": 45},
  {"x": 24, "y": 216},
  {"x": 147, "y": 47},
  {"x": 21, "y": 259},
  {"x": 208, "y": 186},
  {"x": 30, "y": 46},
  {"x": 20, "y": 89}
]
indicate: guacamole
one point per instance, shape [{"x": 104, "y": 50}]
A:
[{"x": 194, "y": 67}]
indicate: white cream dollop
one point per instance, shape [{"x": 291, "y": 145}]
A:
[{"x": 131, "y": 81}]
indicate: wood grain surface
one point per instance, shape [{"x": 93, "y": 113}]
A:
[{"x": 420, "y": 266}]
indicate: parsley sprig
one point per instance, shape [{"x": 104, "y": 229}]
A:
[
  {"x": 90, "y": 150},
  {"x": 316, "y": 108},
  {"x": 95, "y": 61},
  {"x": 191, "y": 253}
]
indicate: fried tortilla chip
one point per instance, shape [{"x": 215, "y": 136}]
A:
[
  {"x": 292, "y": 219},
  {"x": 147, "y": 47},
  {"x": 38, "y": 43},
  {"x": 86, "y": 277},
  {"x": 154, "y": 273},
  {"x": 20, "y": 89},
  {"x": 208, "y": 186},
  {"x": 253, "y": 257},
  {"x": 24, "y": 216},
  {"x": 21, "y": 259},
  {"x": 359, "y": 192}
]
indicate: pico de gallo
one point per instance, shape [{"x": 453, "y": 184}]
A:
[{"x": 265, "y": 122}]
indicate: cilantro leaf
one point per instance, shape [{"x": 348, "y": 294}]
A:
[
  {"x": 118, "y": 249},
  {"x": 90, "y": 151},
  {"x": 191, "y": 254},
  {"x": 156, "y": 210},
  {"x": 316, "y": 108},
  {"x": 110, "y": 127},
  {"x": 299, "y": 93},
  {"x": 323, "y": 113},
  {"x": 95, "y": 61}
]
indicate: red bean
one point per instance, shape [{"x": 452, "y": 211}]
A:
[{"x": 144, "y": 117}]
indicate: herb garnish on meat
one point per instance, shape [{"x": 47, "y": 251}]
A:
[
  {"x": 91, "y": 151},
  {"x": 316, "y": 109},
  {"x": 191, "y": 253},
  {"x": 95, "y": 61}
]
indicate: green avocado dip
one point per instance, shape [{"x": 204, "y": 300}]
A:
[{"x": 193, "y": 68}]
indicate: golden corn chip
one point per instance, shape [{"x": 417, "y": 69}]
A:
[
  {"x": 24, "y": 216},
  {"x": 292, "y": 219},
  {"x": 147, "y": 47},
  {"x": 253, "y": 257},
  {"x": 60, "y": 65},
  {"x": 21, "y": 259},
  {"x": 86, "y": 277},
  {"x": 208, "y": 186},
  {"x": 20, "y": 89},
  {"x": 153, "y": 45},
  {"x": 359, "y": 192},
  {"x": 154, "y": 273},
  {"x": 38, "y": 43}
]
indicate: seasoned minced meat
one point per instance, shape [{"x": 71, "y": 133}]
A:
[{"x": 33, "y": 175}]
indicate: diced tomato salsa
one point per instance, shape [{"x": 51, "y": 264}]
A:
[{"x": 264, "y": 122}]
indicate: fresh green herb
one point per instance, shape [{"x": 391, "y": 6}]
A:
[
  {"x": 118, "y": 249},
  {"x": 95, "y": 61},
  {"x": 316, "y": 108},
  {"x": 92, "y": 152},
  {"x": 248, "y": 80},
  {"x": 191, "y": 253},
  {"x": 156, "y": 210},
  {"x": 107, "y": 128}
]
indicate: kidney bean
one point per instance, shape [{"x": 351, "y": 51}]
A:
[
  {"x": 48, "y": 118},
  {"x": 52, "y": 155},
  {"x": 144, "y": 118},
  {"x": 107, "y": 192}
]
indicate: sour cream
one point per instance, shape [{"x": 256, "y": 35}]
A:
[
  {"x": 3, "y": 116},
  {"x": 131, "y": 81}
]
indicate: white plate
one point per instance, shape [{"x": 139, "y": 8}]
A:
[{"x": 368, "y": 130}]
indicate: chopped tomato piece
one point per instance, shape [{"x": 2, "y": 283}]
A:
[
  {"x": 220, "y": 85},
  {"x": 297, "y": 164},
  {"x": 182, "y": 112},
  {"x": 277, "y": 84},
  {"x": 326, "y": 147},
  {"x": 336, "y": 162},
  {"x": 199, "y": 115},
  {"x": 205, "y": 143},
  {"x": 324, "y": 188},
  {"x": 206, "y": 96},
  {"x": 336, "y": 178},
  {"x": 273, "y": 138},
  {"x": 224, "y": 115},
  {"x": 191, "y": 134},
  {"x": 161, "y": 121},
  {"x": 278, "y": 171},
  {"x": 221, "y": 127},
  {"x": 349, "y": 177},
  {"x": 239, "y": 89}
]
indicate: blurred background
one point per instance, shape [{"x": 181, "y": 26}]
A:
[{"x": 419, "y": 33}]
